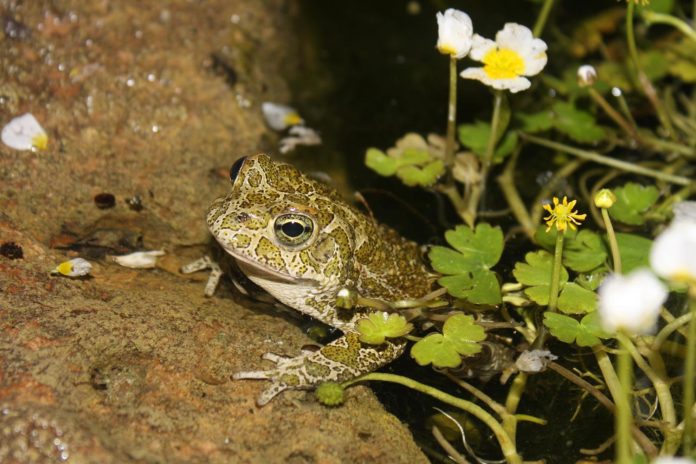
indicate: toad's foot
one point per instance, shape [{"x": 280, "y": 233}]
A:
[
  {"x": 343, "y": 359},
  {"x": 201, "y": 264}
]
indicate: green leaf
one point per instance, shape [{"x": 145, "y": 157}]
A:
[
  {"x": 478, "y": 287},
  {"x": 460, "y": 336},
  {"x": 654, "y": 63},
  {"x": 591, "y": 281},
  {"x": 634, "y": 251},
  {"x": 585, "y": 252},
  {"x": 632, "y": 201},
  {"x": 576, "y": 124},
  {"x": 379, "y": 162},
  {"x": 482, "y": 247},
  {"x": 475, "y": 251},
  {"x": 425, "y": 176},
  {"x": 536, "y": 274},
  {"x": 475, "y": 137},
  {"x": 586, "y": 332},
  {"x": 380, "y": 325},
  {"x": 576, "y": 300},
  {"x": 536, "y": 122}
]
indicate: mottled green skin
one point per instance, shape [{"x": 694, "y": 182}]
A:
[{"x": 346, "y": 249}]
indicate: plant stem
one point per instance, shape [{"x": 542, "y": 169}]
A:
[
  {"x": 614, "y": 115},
  {"x": 506, "y": 444},
  {"x": 601, "y": 159},
  {"x": 643, "y": 80},
  {"x": 689, "y": 372},
  {"x": 652, "y": 17},
  {"x": 506, "y": 181},
  {"x": 541, "y": 19},
  {"x": 512, "y": 402},
  {"x": 477, "y": 190},
  {"x": 613, "y": 244},
  {"x": 451, "y": 119},
  {"x": 624, "y": 416},
  {"x": 556, "y": 273}
]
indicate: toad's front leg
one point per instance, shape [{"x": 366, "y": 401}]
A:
[{"x": 343, "y": 359}]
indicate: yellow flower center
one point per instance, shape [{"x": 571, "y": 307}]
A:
[
  {"x": 503, "y": 63},
  {"x": 562, "y": 215},
  {"x": 292, "y": 119},
  {"x": 40, "y": 141}
]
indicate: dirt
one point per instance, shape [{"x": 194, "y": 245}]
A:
[{"x": 149, "y": 102}]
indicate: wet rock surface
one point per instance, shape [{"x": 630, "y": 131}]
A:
[{"x": 150, "y": 102}]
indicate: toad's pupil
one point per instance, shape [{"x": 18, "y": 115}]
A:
[
  {"x": 236, "y": 167},
  {"x": 293, "y": 229}
]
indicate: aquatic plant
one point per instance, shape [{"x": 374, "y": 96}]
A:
[{"x": 602, "y": 289}]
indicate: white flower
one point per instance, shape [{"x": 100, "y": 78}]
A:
[
  {"x": 280, "y": 117},
  {"x": 139, "y": 259},
  {"x": 24, "y": 133},
  {"x": 685, "y": 211},
  {"x": 454, "y": 33},
  {"x": 673, "y": 460},
  {"x": 587, "y": 75},
  {"x": 514, "y": 54},
  {"x": 76, "y": 267},
  {"x": 673, "y": 253},
  {"x": 632, "y": 302}
]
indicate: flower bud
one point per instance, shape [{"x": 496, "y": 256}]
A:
[
  {"x": 587, "y": 75},
  {"x": 455, "y": 33},
  {"x": 605, "y": 199}
]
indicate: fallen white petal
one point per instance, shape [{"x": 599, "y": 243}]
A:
[
  {"x": 76, "y": 267},
  {"x": 24, "y": 133},
  {"x": 139, "y": 259}
]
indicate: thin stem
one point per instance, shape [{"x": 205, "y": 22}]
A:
[
  {"x": 556, "y": 274},
  {"x": 624, "y": 416},
  {"x": 477, "y": 191},
  {"x": 667, "y": 330},
  {"x": 652, "y": 17},
  {"x": 512, "y": 402},
  {"x": 541, "y": 19},
  {"x": 451, "y": 118},
  {"x": 643, "y": 80},
  {"x": 506, "y": 181},
  {"x": 614, "y": 115},
  {"x": 506, "y": 444},
  {"x": 639, "y": 436},
  {"x": 601, "y": 159},
  {"x": 613, "y": 244},
  {"x": 689, "y": 372}
]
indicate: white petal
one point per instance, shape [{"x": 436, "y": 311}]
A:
[
  {"x": 279, "y": 117},
  {"x": 454, "y": 33},
  {"x": 515, "y": 37},
  {"x": 139, "y": 259},
  {"x": 632, "y": 302},
  {"x": 24, "y": 133},
  {"x": 514, "y": 85},
  {"x": 673, "y": 254},
  {"x": 480, "y": 47},
  {"x": 535, "y": 58}
]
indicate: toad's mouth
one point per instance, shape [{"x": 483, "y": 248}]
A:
[{"x": 253, "y": 269}]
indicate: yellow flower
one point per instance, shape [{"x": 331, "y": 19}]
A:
[{"x": 562, "y": 215}]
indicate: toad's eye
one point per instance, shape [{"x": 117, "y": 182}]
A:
[
  {"x": 293, "y": 229},
  {"x": 236, "y": 167}
]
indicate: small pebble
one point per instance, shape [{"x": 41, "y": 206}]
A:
[
  {"x": 135, "y": 203},
  {"x": 76, "y": 267},
  {"x": 11, "y": 250},
  {"x": 104, "y": 200},
  {"x": 14, "y": 29}
]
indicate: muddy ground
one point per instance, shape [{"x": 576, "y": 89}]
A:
[{"x": 151, "y": 100}]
